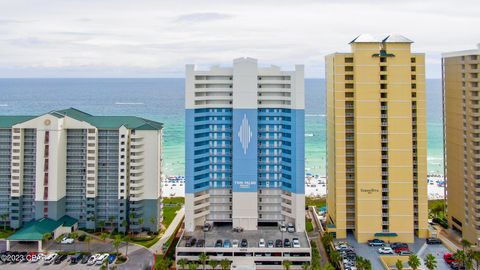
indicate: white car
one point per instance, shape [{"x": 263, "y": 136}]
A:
[
  {"x": 101, "y": 258},
  {"x": 235, "y": 243},
  {"x": 385, "y": 250},
  {"x": 67, "y": 240},
  {"x": 261, "y": 243},
  {"x": 290, "y": 228},
  {"x": 93, "y": 259},
  {"x": 50, "y": 258},
  {"x": 295, "y": 243},
  {"x": 283, "y": 228}
]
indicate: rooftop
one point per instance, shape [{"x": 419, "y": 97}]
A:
[
  {"x": 106, "y": 122},
  {"x": 367, "y": 38},
  {"x": 36, "y": 229}
]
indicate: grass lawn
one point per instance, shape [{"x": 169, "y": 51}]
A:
[
  {"x": 315, "y": 201},
  {"x": 308, "y": 225},
  {"x": 174, "y": 200},
  {"x": 147, "y": 243},
  {"x": 6, "y": 233},
  {"x": 169, "y": 209}
]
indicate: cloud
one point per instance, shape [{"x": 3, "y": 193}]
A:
[{"x": 202, "y": 17}]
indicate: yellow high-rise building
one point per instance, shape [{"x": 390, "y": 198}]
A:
[
  {"x": 461, "y": 89},
  {"x": 376, "y": 153}
]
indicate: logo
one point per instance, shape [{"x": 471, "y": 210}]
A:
[
  {"x": 245, "y": 134},
  {"x": 47, "y": 122}
]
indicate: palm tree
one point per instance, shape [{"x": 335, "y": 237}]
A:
[
  {"x": 126, "y": 239},
  {"x": 162, "y": 263},
  {"x": 101, "y": 224},
  {"x": 103, "y": 236},
  {"x": 213, "y": 264},
  {"x": 125, "y": 225},
  {"x": 430, "y": 262},
  {"x": 140, "y": 221},
  {"x": 460, "y": 257},
  {"x": 335, "y": 257},
  {"x": 327, "y": 238},
  {"x": 4, "y": 218},
  {"x": 182, "y": 262},
  {"x": 414, "y": 261},
  {"x": 286, "y": 264},
  {"x": 46, "y": 237},
  {"x": 193, "y": 266},
  {"x": 88, "y": 238},
  {"x": 203, "y": 259},
  {"x": 399, "y": 265},
  {"x": 117, "y": 242},
  {"x": 465, "y": 244},
  {"x": 327, "y": 267},
  {"x": 225, "y": 264},
  {"x": 152, "y": 221},
  {"x": 306, "y": 266},
  {"x": 476, "y": 258},
  {"x": 74, "y": 235},
  {"x": 110, "y": 223}
]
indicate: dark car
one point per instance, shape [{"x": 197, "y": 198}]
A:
[
  {"x": 219, "y": 243},
  {"x": 286, "y": 243},
  {"x": 376, "y": 242},
  {"x": 23, "y": 256},
  {"x": 85, "y": 258},
  {"x": 111, "y": 258},
  {"x": 244, "y": 243},
  {"x": 74, "y": 259},
  {"x": 200, "y": 243},
  {"x": 278, "y": 243},
  {"x": 434, "y": 241},
  {"x": 457, "y": 266},
  {"x": 398, "y": 245},
  {"x": 191, "y": 242},
  {"x": 60, "y": 259}
]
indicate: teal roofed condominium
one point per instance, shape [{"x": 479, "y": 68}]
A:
[{"x": 96, "y": 169}]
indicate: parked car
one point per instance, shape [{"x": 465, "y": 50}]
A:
[
  {"x": 101, "y": 258},
  {"x": 74, "y": 259},
  {"x": 50, "y": 258},
  {"x": 434, "y": 241},
  {"x": 261, "y": 243},
  {"x": 448, "y": 258},
  {"x": 244, "y": 243},
  {"x": 400, "y": 249},
  {"x": 23, "y": 255},
  {"x": 219, "y": 243},
  {"x": 191, "y": 242},
  {"x": 457, "y": 266},
  {"x": 35, "y": 256},
  {"x": 227, "y": 244},
  {"x": 396, "y": 245},
  {"x": 85, "y": 258},
  {"x": 200, "y": 243},
  {"x": 376, "y": 242},
  {"x": 207, "y": 227},
  {"x": 278, "y": 243},
  {"x": 67, "y": 240},
  {"x": 270, "y": 244},
  {"x": 93, "y": 259},
  {"x": 405, "y": 253},
  {"x": 59, "y": 259},
  {"x": 295, "y": 243},
  {"x": 235, "y": 243},
  {"x": 283, "y": 228},
  {"x": 385, "y": 250},
  {"x": 290, "y": 228},
  {"x": 112, "y": 258},
  {"x": 286, "y": 243}
]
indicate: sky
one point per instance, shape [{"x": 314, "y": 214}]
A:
[{"x": 156, "y": 38}]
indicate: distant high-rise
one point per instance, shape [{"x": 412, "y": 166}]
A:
[
  {"x": 244, "y": 146},
  {"x": 376, "y": 136},
  {"x": 92, "y": 168},
  {"x": 461, "y": 98}
]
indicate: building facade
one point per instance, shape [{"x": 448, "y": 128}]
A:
[
  {"x": 461, "y": 98},
  {"x": 244, "y": 146},
  {"x": 376, "y": 141},
  {"x": 96, "y": 169}
]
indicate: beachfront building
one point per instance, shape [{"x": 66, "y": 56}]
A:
[
  {"x": 376, "y": 141},
  {"x": 244, "y": 159},
  {"x": 103, "y": 171},
  {"x": 461, "y": 73}
]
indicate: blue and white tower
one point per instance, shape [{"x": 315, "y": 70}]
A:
[{"x": 244, "y": 146}]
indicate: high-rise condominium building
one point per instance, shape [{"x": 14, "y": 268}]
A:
[
  {"x": 244, "y": 146},
  {"x": 376, "y": 153},
  {"x": 96, "y": 169},
  {"x": 461, "y": 98}
]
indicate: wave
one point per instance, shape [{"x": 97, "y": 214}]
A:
[
  {"x": 434, "y": 158},
  {"x": 315, "y": 115},
  {"x": 3, "y": 105},
  {"x": 309, "y": 135},
  {"x": 129, "y": 103}
]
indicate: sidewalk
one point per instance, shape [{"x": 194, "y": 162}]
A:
[{"x": 157, "y": 247}]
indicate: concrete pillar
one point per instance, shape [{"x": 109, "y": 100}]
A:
[
  {"x": 8, "y": 245},
  {"x": 39, "y": 245}
]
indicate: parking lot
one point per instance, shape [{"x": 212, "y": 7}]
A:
[{"x": 419, "y": 246}]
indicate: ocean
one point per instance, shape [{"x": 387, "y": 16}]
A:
[{"x": 162, "y": 100}]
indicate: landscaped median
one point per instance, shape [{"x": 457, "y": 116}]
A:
[{"x": 389, "y": 262}]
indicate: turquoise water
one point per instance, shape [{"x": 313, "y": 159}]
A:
[{"x": 162, "y": 100}]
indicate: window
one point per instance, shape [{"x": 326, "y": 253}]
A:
[
  {"x": 383, "y": 68},
  {"x": 383, "y": 95},
  {"x": 414, "y": 86},
  {"x": 414, "y": 94},
  {"x": 413, "y": 60},
  {"x": 348, "y": 94},
  {"x": 348, "y": 59},
  {"x": 414, "y": 77},
  {"x": 348, "y": 68},
  {"x": 383, "y": 59},
  {"x": 383, "y": 77},
  {"x": 413, "y": 69},
  {"x": 383, "y": 86}
]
